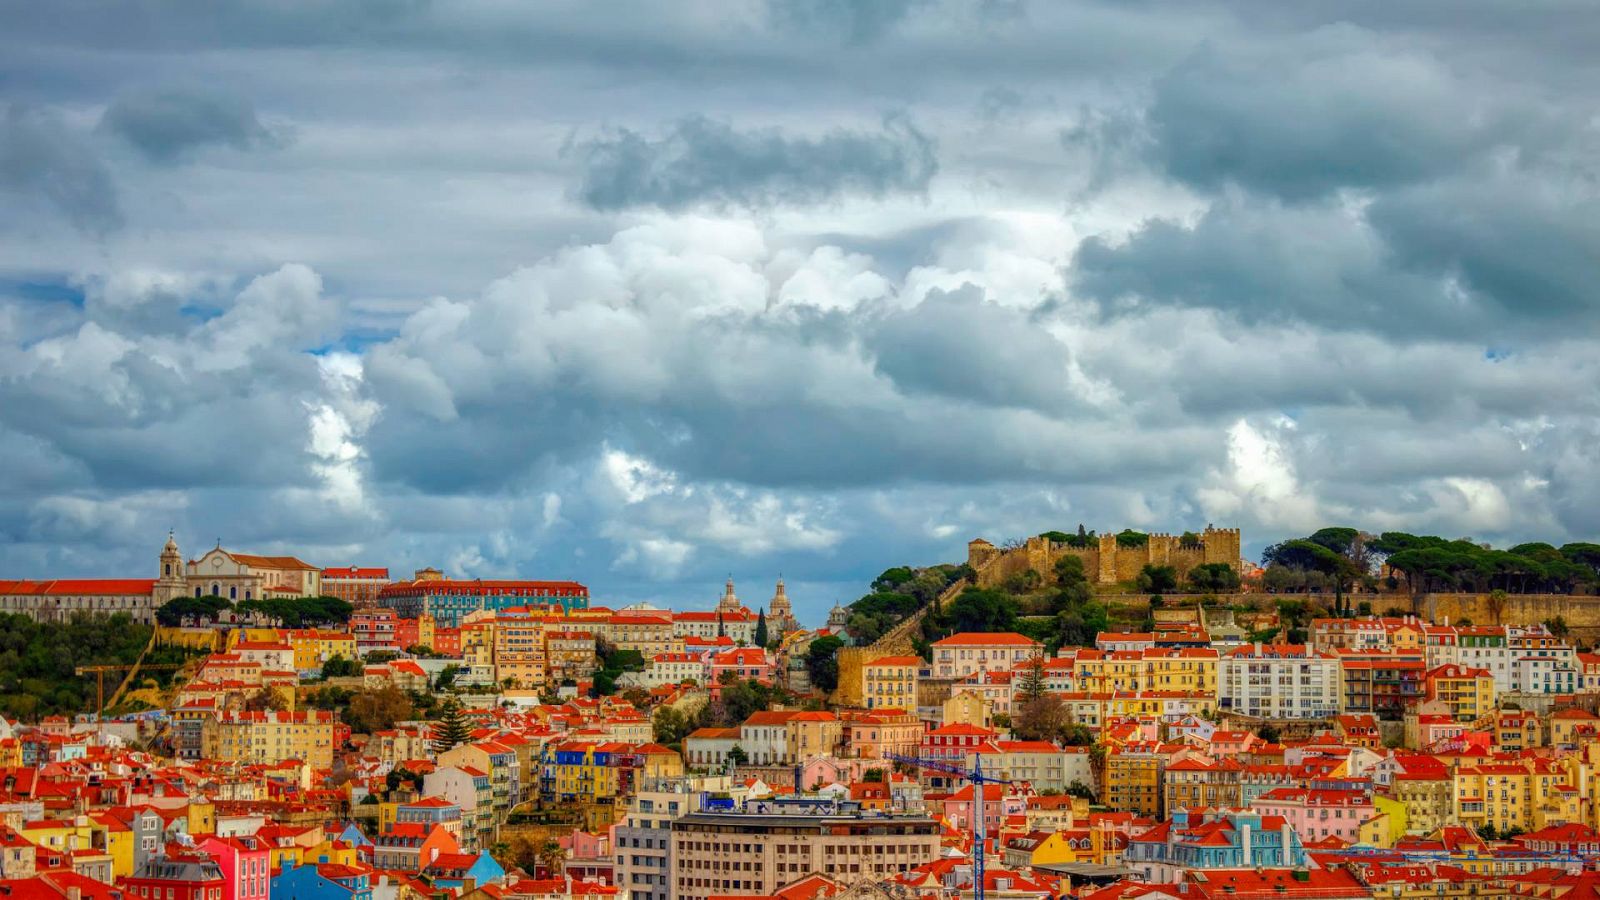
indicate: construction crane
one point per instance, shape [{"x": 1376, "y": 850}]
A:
[
  {"x": 978, "y": 780},
  {"x": 99, "y": 673}
]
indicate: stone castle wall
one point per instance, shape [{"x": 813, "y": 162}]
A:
[
  {"x": 1579, "y": 611},
  {"x": 1106, "y": 562}
]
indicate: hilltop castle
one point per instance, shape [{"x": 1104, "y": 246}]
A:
[{"x": 1105, "y": 560}]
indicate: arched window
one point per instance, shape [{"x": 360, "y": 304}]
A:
[
  {"x": 233, "y": 593},
  {"x": 216, "y": 589},
  {"x": 197, "y": 592},
  {"x": 247, "y": 593},
  {"x": 167, "y": 569}
]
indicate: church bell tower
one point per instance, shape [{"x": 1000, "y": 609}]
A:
[{"x": 171, "y": 581}]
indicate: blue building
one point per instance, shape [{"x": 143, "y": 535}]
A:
[
  {"x": 322, "y": 881},
  {"x": 453, "y": 870},
  {"x": 1213, "y": 839},
  {"x": 448, "y": 599}
]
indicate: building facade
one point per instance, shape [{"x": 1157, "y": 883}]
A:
[
  {"x": 448, "y": 599},
  {"x": 1279, "y": 681},
  {"x": 718, "y": 854},
  {"x": 356, "y": 585}
]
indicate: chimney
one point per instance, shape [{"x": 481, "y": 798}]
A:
[
  {"x": 74, "y": 893},
  {"x": 1244, "y": 842}
]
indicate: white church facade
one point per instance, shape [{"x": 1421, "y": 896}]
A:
[{"x": 235, "y": 577}]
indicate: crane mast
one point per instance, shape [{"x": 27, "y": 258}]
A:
[{"x": 976, "y": 777}]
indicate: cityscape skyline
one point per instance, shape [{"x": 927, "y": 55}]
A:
[{"x": 799, "y": 450}]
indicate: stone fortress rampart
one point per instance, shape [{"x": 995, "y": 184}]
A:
[{"x": 1105, "y": 560}]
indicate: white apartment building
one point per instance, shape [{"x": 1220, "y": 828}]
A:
[
  {"x": 1278, "y": 681},
  {"x": 960, "y": 655}
]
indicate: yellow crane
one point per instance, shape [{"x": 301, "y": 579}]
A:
[{"x": 99, "y": 673}]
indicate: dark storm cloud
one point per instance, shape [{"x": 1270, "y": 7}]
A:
[
  {"x": 853, "y": 22},
  {"x": 699, "y": 160},
  {"x": 165, "y": 126},
  {"x": 956, "y": 345},
  {"x": 1341, "y": 107},
  {"x": 1317, "y": 264},
  {"x": 1525, "y": 246},
  {"x": 41, "y": 158}
]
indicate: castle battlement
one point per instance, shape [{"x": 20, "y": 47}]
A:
[{"x": 1106, "y": 560}]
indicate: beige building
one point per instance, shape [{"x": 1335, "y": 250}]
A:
[
  {"x": 569, "y": 654},
  {"x": 270, "y": 737},
  {"x": 969, "y": 653},
  {"x": 647, "y": 632},
  {"x": 813, "y": 734},
  {"x": 721, "y": 854},
  {"x": 519, "y": 652}
]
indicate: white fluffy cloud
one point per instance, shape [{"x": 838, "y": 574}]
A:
[{"x": 818, "y": 292}]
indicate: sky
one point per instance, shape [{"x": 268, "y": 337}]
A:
[{"x": 647, "y": 295}]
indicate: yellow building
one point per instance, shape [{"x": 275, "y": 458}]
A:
[
  {"x": 253, "y": 635},
  {"x": 1185, "y": 669},
  {"x": 201, "y": 816},
  {"x": 313, "y": 647},
  {"x": 426, "y": 631},
  {"x": 1407, "y": 636},
  {"x": 1039, "y": 849},
  {"x": 583, "y": 771},
  {"x": 1428, "y": 799},
  {"x": 1573, "y": 727},
  {"x": 270, "y": 737},
  {"x": 1518, "y": 729},
  {"x": 968, "y": 708},
  {"x": 660, "y": 762},
  {"x": 1198, "y": 783},
  {"x": 1526, "y": 795},
  {"x": 1467, "y": 692},
  {"x": 1389, "y": 825},
  {"x": 477, "y": 641},
  {"x": 890, "y": 682},
  {"x": 1133, "y": 781},
  {"x": 813, "y": 734}
]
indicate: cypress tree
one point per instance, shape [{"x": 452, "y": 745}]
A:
[
  {"x": 452, "y": 727},
  {"x": 761, "y": 628}
]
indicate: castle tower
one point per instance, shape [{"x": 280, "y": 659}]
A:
[
  {"x": 171, "y": 581},
  {"x": 780, "y": 615},
  {"x": 730, "y": 601}
]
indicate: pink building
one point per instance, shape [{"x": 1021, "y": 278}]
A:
[
  {"x": 743, "y": 662},
  {"x": 1318, "y": 814},
  {"x": 246, "y": 864},
  {"x": 999, "y": 802},
  {"x": 374, "y": 629}
]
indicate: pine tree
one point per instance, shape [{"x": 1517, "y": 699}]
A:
[
  {"x": 1032, "y": 686},
  {"x": 452, "y": 727},
  {"x": 761, "y": 628}
]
